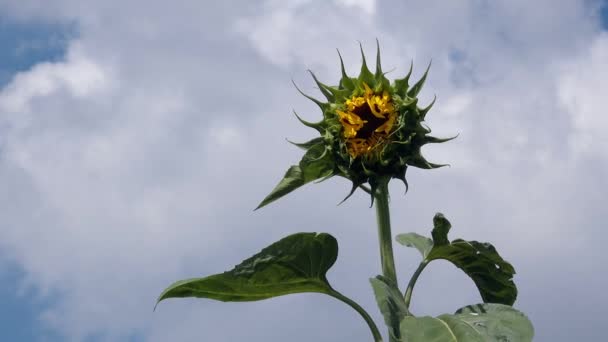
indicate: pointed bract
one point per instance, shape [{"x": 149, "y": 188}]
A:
[
  {"x": 345, "y": 82},
  {"x": 322, "y": 87},
  {"x": 426, "y": 109},
  {"x": 318, "y": 125},
  {"x": 350, "y": 193},
  {"x": 307, "y": 145},
  {"x": 418, "y": 86},
  {"x": 402, "y": 85},
  {"x": 379, "y": 73},
  {"x": 402, "y": 178},
  {"x": 434, "y": 140},
  {"x": 319, "y": 103},
  {"x": 365, "y": 75}
]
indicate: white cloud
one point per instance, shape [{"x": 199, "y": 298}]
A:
[
  {"x": 581, "y": 87},
  {"x": 78, "y": 76},
  {"x": 456, "y": 105},
  {"x": 369, "y": 6},
  {"x": 288, "y": 32}
]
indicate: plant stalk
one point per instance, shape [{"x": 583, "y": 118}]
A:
[
  {"x": 410, "y": 286},
  {"x": 385, "y": 236},
  {"x": 361, "y": 311},
  {"x": 384, "y": 232}
]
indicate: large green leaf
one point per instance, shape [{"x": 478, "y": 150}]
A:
[
  {"x": 474, "y": 323},
  {"x": 480, "y": 261},
  {"x": 315, "y": 164},
  {"x": 492, "y": 275},
  {"x": 295, "y": 264},
  {"x": 391, "y": 303}
]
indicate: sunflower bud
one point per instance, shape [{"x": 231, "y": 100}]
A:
[{"x": 371, "y": 130}]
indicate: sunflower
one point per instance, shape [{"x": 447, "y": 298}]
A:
[
  {"x": 371, "y": 129},
  {"x": 366, "y": 121}
]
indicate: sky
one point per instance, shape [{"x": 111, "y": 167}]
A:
[{"x": 136, "y": 138}]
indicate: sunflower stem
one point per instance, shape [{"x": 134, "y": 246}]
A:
[
  {"x": 361, "y": 311},
  {"x": 385, "y": 236},
  {"x": 410, "y": 286}
]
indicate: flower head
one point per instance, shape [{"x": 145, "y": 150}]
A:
[
  {"x": 366, "y": 121},
  {"x": 371, "y": 130}
]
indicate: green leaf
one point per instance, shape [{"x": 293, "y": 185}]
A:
[
  {"x": 478, "y": 323},
  {"x": 391, "y": 303},
  {"x": 295, "y": 264},
  {"x": 492, "y": 275},
  {"x": 315, "y": 164},
  {"x": 421, "y": 243}
]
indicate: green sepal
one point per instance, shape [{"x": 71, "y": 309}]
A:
[
  {"x": 401, "y": 176},
  {"x": 409, "y": 103},
  {"x": 354, "y": 187},
  {"x": 295, "y": 264},
  {"x": 402, "y": 84},
  {"x": 424, "y": 128},
  {"x": 419, "y": 162},
  {"x": 345, "y": 82},
  {"x": 321, "y": 105},
  {"x": 307, "y": 145},
  {"x": 473, "y": 323},
  {"x": 434, "y": 140},
  {"x": 413, "y": 92},
  {"x": 381, "y": 82},
  {"x": 315, "y": 164},
  {"x": 325, "y": 89},
  {"x": 492, "y": 275},
  {"x": 378, "y": 63},
  {"x": 391, "y": 303},
  {"x": 423, "y": 111},
  {"x": 339, "y": 95},
  {"x": 350, "y": 193},
  {"x": 366, "y": 75},
  {"x": 316, "y": 125}
]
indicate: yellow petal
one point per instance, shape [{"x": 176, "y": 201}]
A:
[
  {"x": 368, "y": 91},
  {"x": 388, "y": 125}
]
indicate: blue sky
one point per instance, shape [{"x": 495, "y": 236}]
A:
[
  {"x": 24, "y": 44},
  {"x": 112, "y": 134},
  {"x": 604, "y": 15},
  {"x": 20, "y": 314}
]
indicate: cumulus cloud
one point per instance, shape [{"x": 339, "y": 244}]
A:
[
  {"x": 581, "y": 85},
  {"x": 137, "y": 159}
]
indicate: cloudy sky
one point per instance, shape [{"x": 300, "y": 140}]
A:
[{"x": 136, "y": 138}]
